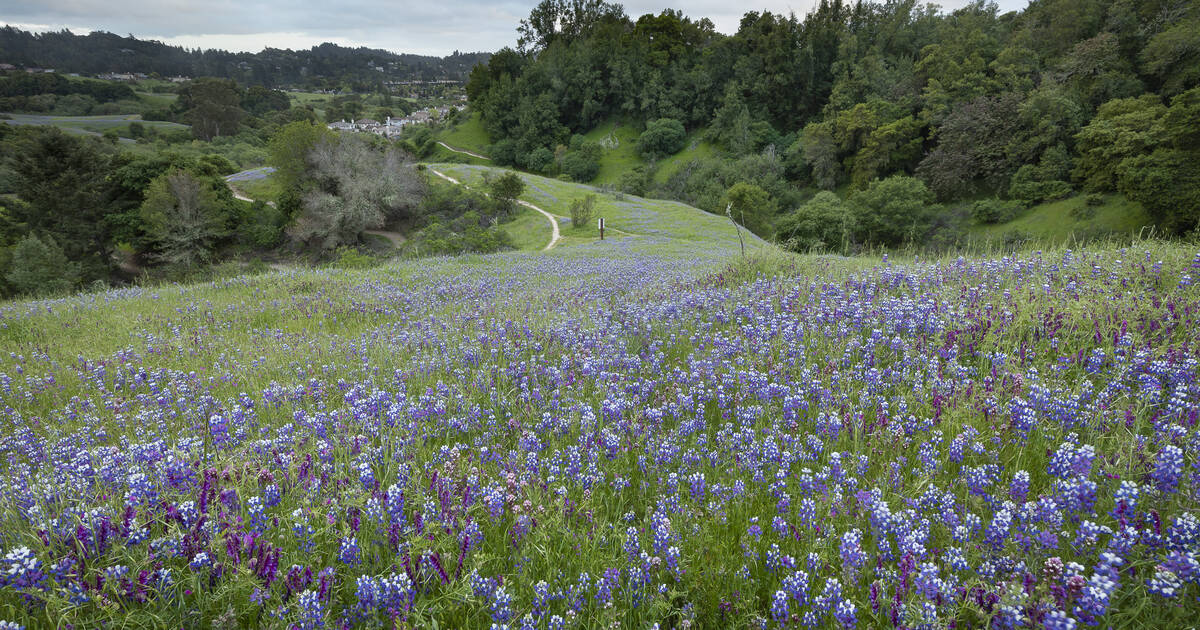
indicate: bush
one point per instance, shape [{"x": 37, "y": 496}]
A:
[
  {"x": 351, "y": 258},
  {"x": 893, "y": 211},
  {"x": 584, "y": 164},
  {"x": 1030, "y": 185},
  {"x": 582, "y": 211},
  {"x": 540, "y": 160},
  {"x": 752, "y": 207},
  {"x": 662, "y": 137},
  {"x": 996, "y": 210},
  {"x": 1094, "y": 199},
  {"x": 636, "y": 181},
  {"x": 39, "y": 267},
  {"x": 823, "y": 222}
]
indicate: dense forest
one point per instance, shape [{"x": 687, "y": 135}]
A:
[
  {"x": 324, "y": 66},
  {"x": 905, "y": 110}
]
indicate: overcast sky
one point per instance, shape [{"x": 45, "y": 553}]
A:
[{"x": 426, "y": 27}]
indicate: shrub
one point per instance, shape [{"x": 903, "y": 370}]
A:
[
  {"x": 541, "y": 160},
  {"x": 823, "y": 222},
  {"x": 584, "y": 164},
  {"x": 635, "y": 182},
  {"x": 582, "y": 211},
  {"x": 996, "y": 210},
  {"x": 893, "y": 210},
  {"x": 1094, "y": 199},
  {"x": 39, "y": 267},
  {"x": 662, "y": 137},
  {"x": 351, "y": 258}
]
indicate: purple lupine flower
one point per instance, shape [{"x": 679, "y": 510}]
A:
[{"x": 1168, "y": 469}]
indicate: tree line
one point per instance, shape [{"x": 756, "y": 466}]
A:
[
  {"x": 324, "y": 66},
  {"x": 1019, "y": 107}
]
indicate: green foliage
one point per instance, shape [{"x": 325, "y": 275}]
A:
[
  {"x": 662, "y": 137},
  {"x": 996, "y": 210},
  {"x": 1122, "y": 128},
  {"x": 211, "y": 106},
  {"x": 635, "y": 181},
  {"x": 582, "y": 211},
  {"x": 183, "y": 218},
  {"x": 289, "y": 149},
  {"x": 752, "y": 207},
  {"x": 38, "y": 266},
  {"x": 63, "y": 183},
  {"x": 505, "y": 191},
  {"x": 824, "y": 222},
  {"x": 583, "y": 163},
  {"x": 541, "y": 160},
  {"x": 351, "y": 258},
  {"x": 893, "y": 211}
]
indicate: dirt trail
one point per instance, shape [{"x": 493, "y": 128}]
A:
[
  {"x": 464, "y": 151},
  {"x": 555, "y": 235}
]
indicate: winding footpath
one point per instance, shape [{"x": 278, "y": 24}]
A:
[
  {"x": 555, "y": 235},
  {"x": 464, "y": 151}
]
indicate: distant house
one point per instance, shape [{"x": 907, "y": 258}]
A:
[
  {"x": 366, "y": 124},
  {"x": 341, "y": 126},
  {"x": 7, "y": 67}
]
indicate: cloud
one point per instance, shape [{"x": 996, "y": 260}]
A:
[{"x": 425, "y": 27}]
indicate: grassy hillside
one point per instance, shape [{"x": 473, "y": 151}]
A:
[
  {"x": 468, "y": 135},
  {"x": 627, "y": 216},
  {"x": 1071, "y": 220},
  {"x": 628, "y": 434}
]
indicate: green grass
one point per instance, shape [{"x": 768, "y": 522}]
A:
[
  {"x": 626, "y": 216},
  {"x": 620, "y": 151},
  {"x": 696, "y": 149},
  {"x": 468, "y": 135},
  {"x": 265, "y": 189},
  {"x": 529, "y": 231},
  {"x": 1053, "y": 222}
]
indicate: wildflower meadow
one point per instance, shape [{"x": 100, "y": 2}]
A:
[{"x": 641, "y": 433}]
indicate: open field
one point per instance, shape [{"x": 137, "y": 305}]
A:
[
  {"x": 645, "y": 431},
  {"x": 90, "y": 125}
]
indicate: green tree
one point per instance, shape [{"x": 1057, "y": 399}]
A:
[
  {"x": 752, "y": 207},
  {"x": 39, "y": 267},
  {"x": 505, "y": 190},
  {"x": 893, "y": 211},
  {"x": 1166, "y": 180},
  {"x": 183, "y": 218},
  {"x": 288, "y": 152},
  {"x": 731, "y": 124},
  {"x": 211, "y": 106},
  {"x": 661, "y": 138},
  {"x": 1122, "y": 128},
  {"x": 820, "y": 154},
  {"x": 63, "y": 182},
  {"x": 824, "y": 222}
]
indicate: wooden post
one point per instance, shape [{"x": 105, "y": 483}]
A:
[{"x": 601, "y": 222}]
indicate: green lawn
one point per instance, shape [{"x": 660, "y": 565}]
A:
[{"x": 1053, "y": 222}]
